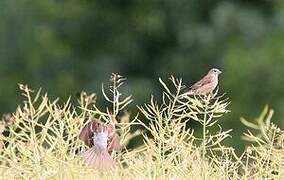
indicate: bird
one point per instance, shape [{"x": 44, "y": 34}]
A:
[
  {"x": 206, "y": 85},
  {"x": 101, "y": 139}
]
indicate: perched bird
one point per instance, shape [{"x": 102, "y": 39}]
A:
[
  {"x": 206, "y": 85},
  {"x": 102, "y": 139}
]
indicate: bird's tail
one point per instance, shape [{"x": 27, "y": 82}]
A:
[
  {"x": 98, "y": 159},
  {"x": 188, "y": 93}
]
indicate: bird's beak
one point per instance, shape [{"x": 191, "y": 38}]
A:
[{"x": 220, "y": 72}]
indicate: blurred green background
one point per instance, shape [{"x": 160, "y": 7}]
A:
[{"x": 66, "y": 46}]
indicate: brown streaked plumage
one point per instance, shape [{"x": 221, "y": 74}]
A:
[
  {"x": 102, "y": 139},
  {"x": 206, "y": 85}
]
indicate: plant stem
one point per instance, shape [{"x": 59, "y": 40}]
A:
[
  {"x": 206, "y": 102},
  {"x": 204, "y": 141},
  {"x": 204, "y": 135}
]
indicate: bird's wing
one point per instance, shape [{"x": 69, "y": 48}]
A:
[
  {"x": 205, "y": 80},
  {"x": 114, "y": 143},
  {"x": 114, "y": 139},
  {"x": 87, "y": 132}
]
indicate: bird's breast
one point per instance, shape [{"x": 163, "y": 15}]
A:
[
  {"x": 215, "y": 82},
  {"x": 100, "y": 140}
]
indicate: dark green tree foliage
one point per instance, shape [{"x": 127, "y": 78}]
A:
[{"x": 66, "y": 46}]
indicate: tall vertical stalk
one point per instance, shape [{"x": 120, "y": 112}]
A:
[
  {"x": 204, "y": 134},
  {"x": 204, "y": 141}
]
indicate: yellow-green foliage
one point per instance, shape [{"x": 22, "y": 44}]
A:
[{"x": 40, "y": 140}]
